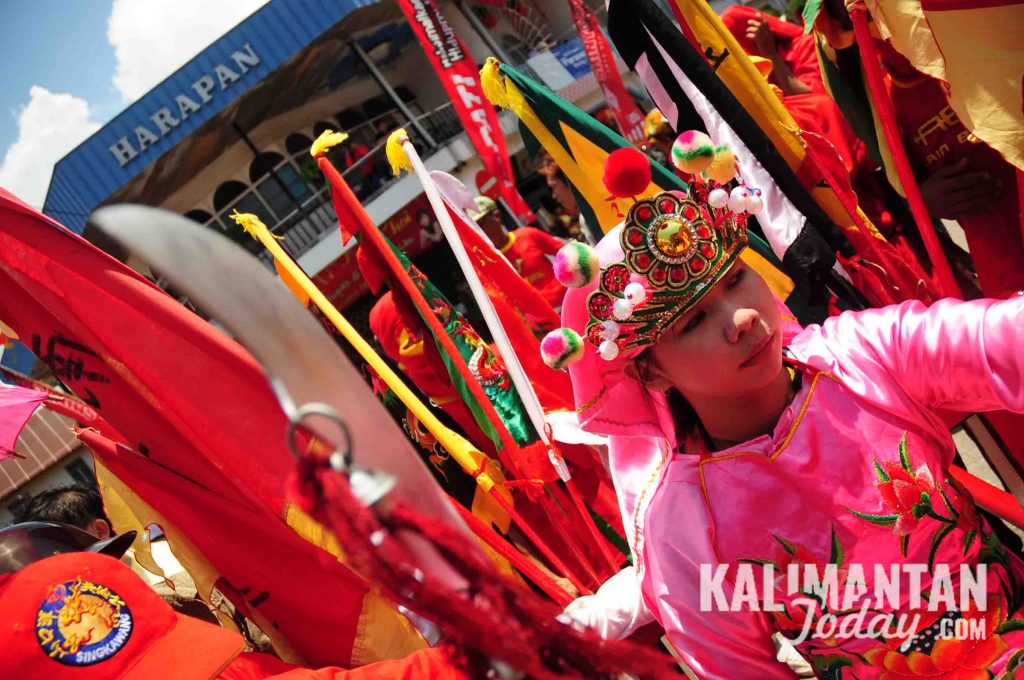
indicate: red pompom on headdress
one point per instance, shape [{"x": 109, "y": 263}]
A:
[{"x": 627, "y": 172}]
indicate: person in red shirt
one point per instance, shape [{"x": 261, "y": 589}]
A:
[
  {"x": 961, "y": 177},
  {"x": 403, "y": 342},
  {"x": 528, "y": 249}
]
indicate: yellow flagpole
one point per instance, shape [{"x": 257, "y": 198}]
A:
[
  {"x": 465, "y": 454},
  {"x": 471, "y": 459}
]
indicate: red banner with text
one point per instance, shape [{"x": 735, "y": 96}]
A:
[
  {"x": 461, "y": 80},
  {"x": 602, "y": 61}
]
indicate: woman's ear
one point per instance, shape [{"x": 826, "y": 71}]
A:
[{"x": 647, "y": 373}]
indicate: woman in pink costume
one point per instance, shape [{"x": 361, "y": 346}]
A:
[{"x": 735, "y": 442}]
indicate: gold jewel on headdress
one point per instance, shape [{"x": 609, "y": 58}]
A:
[{"x": 676, "y": 245}]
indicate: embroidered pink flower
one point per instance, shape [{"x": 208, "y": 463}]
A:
[
  {"x": 904, "y": 493},
  {"x": 908, "y": 494}
]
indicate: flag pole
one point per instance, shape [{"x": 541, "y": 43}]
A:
[
  {"x": 403, "y": 155},
  {"x": 362, "y": 224},
  {"x": 876, "y": 83},
  {"x": 352, "y": 217},
  {"x": 464, "y": 453}
]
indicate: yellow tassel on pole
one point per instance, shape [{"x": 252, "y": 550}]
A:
[
  {"x": 493, "y": 83},
  {"x": 326, "y": 140},
  {"x": 253, "y": 225},
  {"x": 396, "y": 154}
]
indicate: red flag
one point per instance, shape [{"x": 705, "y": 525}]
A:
[
  {"x": 458, "y": 73},
  {"x": 602, "y": 61},
  {"x": 196, "y": 405}
]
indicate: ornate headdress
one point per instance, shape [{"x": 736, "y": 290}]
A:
[{"x": 676, "y": 246}]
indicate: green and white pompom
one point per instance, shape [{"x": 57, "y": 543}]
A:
[
  {"x": 576, "y": 265},
  {"x": 692, "y": 151},
  {"x": 561, "y": 347}
]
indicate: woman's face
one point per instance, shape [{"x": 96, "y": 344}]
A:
[{"x": 729, "y": 343}]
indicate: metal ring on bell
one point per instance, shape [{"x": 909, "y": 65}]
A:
[{"x": 317, "y": 408}]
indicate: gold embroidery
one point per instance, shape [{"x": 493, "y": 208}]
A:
[
  {"x": 775, "y": 454},
  {"x": 597, "y": 398},
  {"x": 640, "y": 500}
]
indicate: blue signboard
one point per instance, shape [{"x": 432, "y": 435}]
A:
[
  {"x": 573, "y": 57},
  {"x": 179, "y": 105}
]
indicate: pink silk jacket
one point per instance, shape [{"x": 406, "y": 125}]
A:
[{"x": 853, "y": 474}]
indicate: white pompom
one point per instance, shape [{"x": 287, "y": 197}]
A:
[
  {"x": 635, "y": 293},
  {"x": 608, "y": 350},
  {"x": 622, "y": 310},
  {"x": 718, "y": 198},
  {"x": 610, "y": 330},
  {"x": 755, "y": 203},
  {"x": 738, "y": 199}
]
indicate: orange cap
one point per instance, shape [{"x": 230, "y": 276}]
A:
[{"x": 85, "y": 615}]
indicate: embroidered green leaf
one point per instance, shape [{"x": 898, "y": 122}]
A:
[
  {"x": 1010, "y": 626},
  {"x": 831, "y": 666},
  {"x": 905, "y": 454},
  {"x": 937, "y": 539},
  {"x": 786, "y": 545},
  {"x": 880, "y": 473},
  {"x": 752, "y": 560},
  {"x": 904, "y": 544},
  {"x": 836, "y": 555},
  {"x": 880, "y": 520},
  {"x": 969, "y": 539},
  {"x": 1015, "y": 660},
  {"x": 945, "y": 501}
]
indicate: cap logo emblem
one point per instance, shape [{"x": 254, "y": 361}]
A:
[{"x": 81, "y": 623}]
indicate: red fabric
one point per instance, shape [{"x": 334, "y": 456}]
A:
[
  {"x": 388, "y": 326},
  {"x": 17, "y": 405},
  {"x": 193, "y": 401},
  {"x": 627, "y": 114},
  {"x": 460, "y": 78},
  {"x": 817, "y": 113},
  {"x": 935, "y": 138},
  {"x": 426, "y": 663},
  {"x": 795, "y": 48},
  {"x": 529, "y": 253},
  {"x": 424, "y": 369},
  {"x": 943, "y": 274}
]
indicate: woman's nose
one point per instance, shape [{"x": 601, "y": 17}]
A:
[{"x": 743, "y": 320}]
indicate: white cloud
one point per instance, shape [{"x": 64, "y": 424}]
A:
[
  {"x": 153, "y": 38},
  {"x": 49, "y": 126}
]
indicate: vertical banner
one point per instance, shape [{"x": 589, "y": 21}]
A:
[
  {"x": 599, "y": 52},
  {"x": 461, "y": 80}
]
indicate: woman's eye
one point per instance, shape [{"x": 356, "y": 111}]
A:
[
  {"x": 693, "y": 322},
  {"x": 736, "y": 279}
]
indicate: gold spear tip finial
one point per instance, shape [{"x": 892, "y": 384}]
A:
[{"x": 326, "y": 140}]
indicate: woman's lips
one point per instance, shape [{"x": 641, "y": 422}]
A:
[{"x": 760, "y": 354}]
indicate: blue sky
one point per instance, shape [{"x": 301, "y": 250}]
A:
[
  {"x": 69, "y": 66},
  {"x": 60, "y": 45}
]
